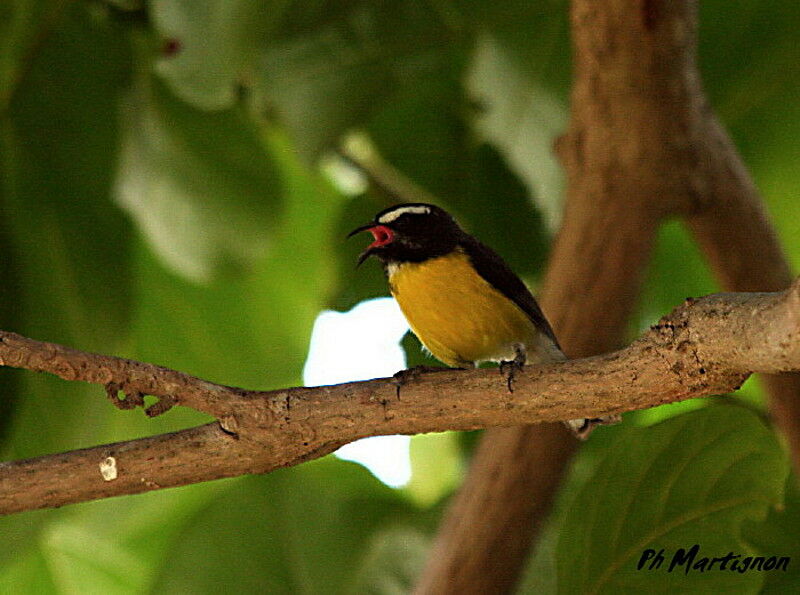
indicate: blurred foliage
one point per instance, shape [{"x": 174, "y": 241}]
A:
[
  {"x": 709, "y": 477},
  {"x": 182, "y": 170},
  {"x": 161, "y": 197},
  {"x": 647, "y": 492}
]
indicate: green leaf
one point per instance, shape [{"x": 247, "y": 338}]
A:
[
  {"x": 305, "y": 530},
  {"x": 518, "y": 77},
  {"x": 336, "y": 63},
  {"x": 209, "y": 46},
  {"x": 116, "y": 545},
  {"x": 394, "y": 558},
  {"x": 119, "y": 545},
  {"x": 750, "y": 63},
  {"x": 692, "y": 479},
  {"x": 778, "y": 536},
  {"x": 23, "y": 23},
  {"x": 59, "y": 141},
  {"x": 27, "y": 572},
  {"x": 79, "y": 559},
  {"x": 11, "y": 297},
  {"x": 202, "y": 186},
  {"x": 436, "y": 467},
  {"x": 520, "y": 114},
  {"x": 497, "y": 209},
  {"x": 421, "y": 130},
  {"x": 127, "y": 5}
]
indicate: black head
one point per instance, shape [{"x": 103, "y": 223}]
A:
[{"x": 411, "y": 232}]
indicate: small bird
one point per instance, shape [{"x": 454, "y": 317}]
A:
[{"x": 460, "y": 298}]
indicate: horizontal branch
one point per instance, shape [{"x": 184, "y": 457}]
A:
[{"x": 706, "y": 346}]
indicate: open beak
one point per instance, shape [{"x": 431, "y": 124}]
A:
[
  {"x": 366, "y": 253},
  {"x": 382, "y": 234},
  {"x": 360, "y": 229}
]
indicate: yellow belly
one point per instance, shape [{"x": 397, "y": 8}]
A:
[{"x": 456, "y": 314}]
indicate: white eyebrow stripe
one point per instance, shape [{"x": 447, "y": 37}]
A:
[{"x": 392, "y": 215}]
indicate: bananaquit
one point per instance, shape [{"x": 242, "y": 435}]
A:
[{"x": 460, "y": 298}]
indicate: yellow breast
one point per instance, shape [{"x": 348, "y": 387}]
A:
[{"x": 456, "y": 314}]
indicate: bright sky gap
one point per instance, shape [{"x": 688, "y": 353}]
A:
[{"x": 361, "y": 344}]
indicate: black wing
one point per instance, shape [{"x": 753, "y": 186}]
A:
[{"x": 497, "y": 273}]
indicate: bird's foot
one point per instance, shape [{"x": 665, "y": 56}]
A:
[
  {"x": 509, "y": 368},
  {"x": 582, "y": 428}
]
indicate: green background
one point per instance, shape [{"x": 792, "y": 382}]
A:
[{"x": 163, "y": 196}]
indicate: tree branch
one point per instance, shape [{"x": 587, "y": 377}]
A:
[{"x": 706, "y": 346}]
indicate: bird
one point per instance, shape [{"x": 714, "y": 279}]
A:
[{"x": 460, "y": 298}]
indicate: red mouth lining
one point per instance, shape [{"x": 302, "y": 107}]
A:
[{"x": 382, "y": 234}]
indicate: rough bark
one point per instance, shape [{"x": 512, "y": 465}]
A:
[{"x": 707, "y": 346}]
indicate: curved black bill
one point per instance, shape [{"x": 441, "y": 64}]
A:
[
  {"x": 360, "y": 229},
  {"x": 365, "y": 254}
]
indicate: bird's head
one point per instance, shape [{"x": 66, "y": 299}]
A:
[{"x": 410, "y": 232}]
